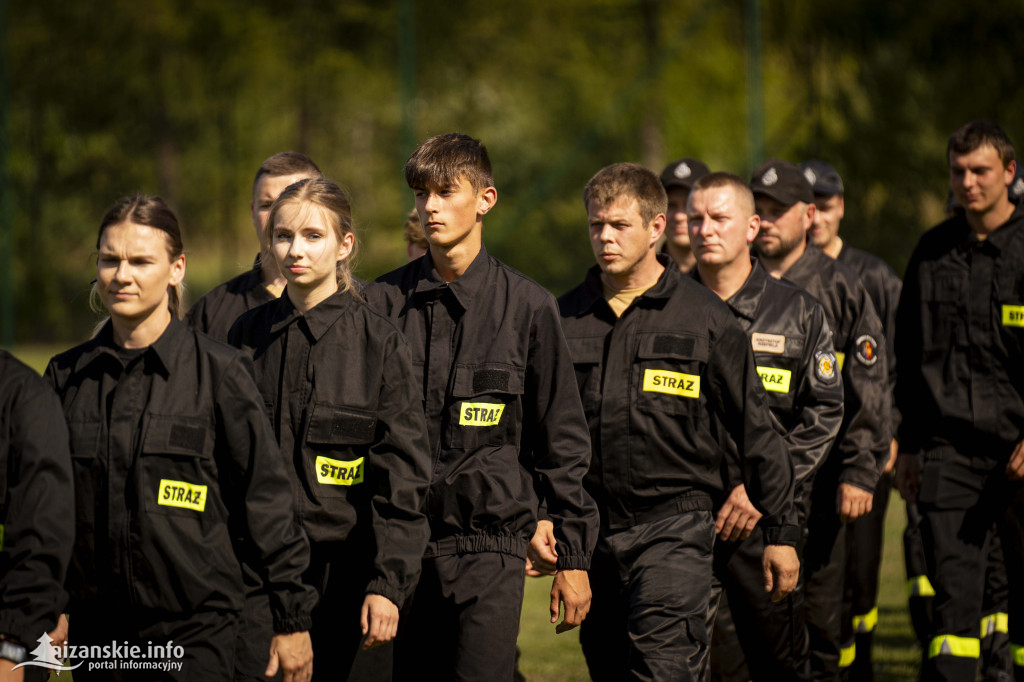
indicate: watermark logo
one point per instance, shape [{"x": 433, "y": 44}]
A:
[{"x": 113, "y": 656}]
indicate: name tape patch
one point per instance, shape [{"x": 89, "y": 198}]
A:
[
  {"x": 336, "y": 472},
  {"x": 1013, "y": 315},
  {"x": 768, "y": 343},
  {"x": 480, "y": 414},
  {"x": 775, "y": 379},
  {"x": 673, "y": 383},
  {"x": 181, "y": 494}
]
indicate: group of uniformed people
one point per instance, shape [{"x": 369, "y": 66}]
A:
[{"x": 694, "y": 442}]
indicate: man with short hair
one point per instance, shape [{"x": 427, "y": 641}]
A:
[
  {"x": 677, "y": 178},
  {"x": 506, "y": 428},
  {"x": 665, "y": 372},
  {"x": 960, "y": 390},
  {"x": 217, "y": 310},
  {"x": 844, "y": 487},
  {"x": 864, "y": 537},
  {"x": 792, "y": 346}
]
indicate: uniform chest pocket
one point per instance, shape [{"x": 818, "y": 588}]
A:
[
  {"x": 587, "y": 354},
  {"x": 86, "y": 470},
  {"x": 337, "y": 444},
  {"x": 177, "y": 470},
  {"x": 668, "y": 373},
  {"x": 942, "y": 295},
  {"x": 485, "y": 408}
]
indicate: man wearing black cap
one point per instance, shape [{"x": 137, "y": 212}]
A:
[
  {"x": 960, "y": 389},
  {"x": 864, "y": 538},
  {"x": 844, "y": 486},
  {"x": 677, "y": 179},
  {"x": 792, "y": 346}
]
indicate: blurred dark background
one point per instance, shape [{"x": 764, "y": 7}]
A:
[{"x": 184, "y": 98}]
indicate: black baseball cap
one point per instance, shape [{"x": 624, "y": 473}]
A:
[
  {"x": 781, "y": 181},
  {"x": 683, "y": 173},
  {"x": 823, "y": 178}
]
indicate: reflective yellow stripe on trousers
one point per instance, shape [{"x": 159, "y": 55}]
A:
[
  {"x": 847, "y": 655},
  {"x": 919, "y": 586},
  {"x": 997, "y": 622},
  {"x": 1018, "y": 655},
  {"x": 866, "y": 623},
  {"x": 951, "y": 645}
]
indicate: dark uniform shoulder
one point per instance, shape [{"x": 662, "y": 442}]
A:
[
  {"x": 865, "y": 262},
  {"x": 16, "y": 377}
]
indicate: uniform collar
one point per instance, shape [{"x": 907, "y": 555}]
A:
[
  {"x": 319, "y": 318},
  {"x": 663, "y": 288},
  {"x": 747, "y": 300},
  {"x": 810, "y": 260},
  {"x": 430, "y": 283},
  {"x": 158, "y": 356},
  {"x": 1000, "y": 237}
]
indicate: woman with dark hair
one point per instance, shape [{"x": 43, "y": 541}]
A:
[
  {"x": 172, "y": 457},
  {"x": 335, "y": 377}
]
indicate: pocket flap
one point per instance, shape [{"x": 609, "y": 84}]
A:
[
  {"x": 175, "y": 435},
  {"x": 586, "y": 351},
  {"x": 660, "y": 345},
  {"x": 473, "y": 380},
  {"x": 84, "y": 440},
  {"x": 340, "y": 425}
]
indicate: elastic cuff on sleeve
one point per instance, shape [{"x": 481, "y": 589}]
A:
[
  {"x": 781, "y": 535},
  {"x": 385, "y": 589},
  {"x": 573, "y": 563},
  {"x": 300, "y": 622},
  {"x": 865, "y": 480}
]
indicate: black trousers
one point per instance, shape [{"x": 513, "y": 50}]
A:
[
  {"x": 824, "y": 558},
  {"x": 206, "y": 638},
  {"x": 965, "y": 503},
  {"x": 864, "y": 539},
  {"x": 651, "y": 586},
  {"x": 752, "y": 637},
  {"x": 463, "y": 620}
]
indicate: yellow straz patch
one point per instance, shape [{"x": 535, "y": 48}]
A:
[
  {"x": 673, "y": 383},
  {"x": 181, "y": 494},
  {"x": 775, "y": 379},
  {"x": 336, "y": 472},
  {"x": 840, "y": 359},
  {"x": 1013, "y": 315},
  {"x": 480, "y": 414}
]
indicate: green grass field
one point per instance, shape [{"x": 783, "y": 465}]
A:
[{"x": 547, "y": 657}]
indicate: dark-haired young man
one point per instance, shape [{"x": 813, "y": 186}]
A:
[
  {"x": 504, "y": 420},
  {"x": 217, "y": 310},
  {"x": 792, "y": 346},
  {"x": 665, "y": 372},
  {"x": 960, "y": 390},
  {"x": 844, "y": 486},
  {"x": 677, "y": 178},
  {"x": 864, "y": 537}
]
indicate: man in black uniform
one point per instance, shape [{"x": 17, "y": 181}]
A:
[
  {"x": 864, "y": 537},
  {"x": 665, "y": 372},
  {"x": 217, "y": 310},
  {"x": 844, "y": 487},
  {"x": 792, "y": 346},
  {"x": 677, "y": 178},
  {"x": 37, "y": 516},
  {"x": 504, "y": 420},
  {"x": 960, "y": 389}
]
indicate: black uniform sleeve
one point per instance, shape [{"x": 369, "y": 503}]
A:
[
  {"x": 742, "y": 406},
  {"x": 864, "y": 445},
  {"x": 37, "y": 529},
  {"x": 555, "y": 431},
  {"x": 910, "y": 388},
  {"x": 244, "y": 432},
  {"x": 892, "y": 287},
  {"x": 401, "y": 459},
  {"x": 819, "y": 401}
]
